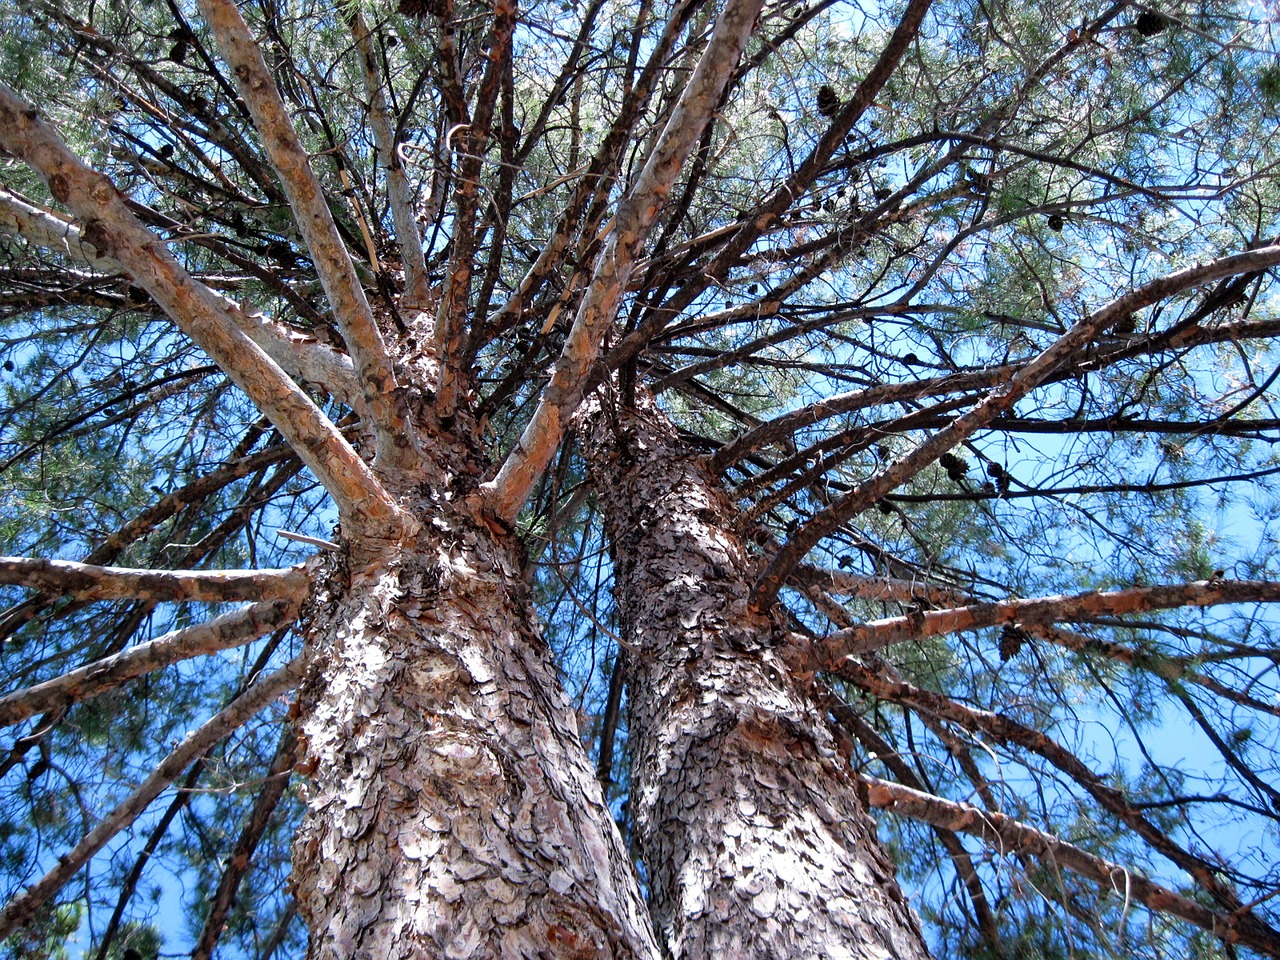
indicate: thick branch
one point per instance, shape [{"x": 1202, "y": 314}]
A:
[
  {"x": 23, "y": 907},
  {"x": 766, "y": 214},
  {"x": 630, "y": 228},
  {"x": 808, "y": 657},
  {"x": 88, "y": 582},
  {"x": 301, "y": 356},
  {"x": 1010, "y": 836},
  {"x": 18, "y": 218},
  {"x": 894, "y": 589},
  {"x": 998, "y": 402},
  {"x": 315, "y": 222},
  {"x": 221, "y": 633},
  {"x": 113, "y": 230},
  {"x": 399, "y": 192}
]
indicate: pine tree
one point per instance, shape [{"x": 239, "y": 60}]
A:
[{"x": 537, "y": 478}]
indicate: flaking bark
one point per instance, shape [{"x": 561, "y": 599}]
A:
[
  {"x": 452, "y": 811},
  {"x": 748, "y": 819}
]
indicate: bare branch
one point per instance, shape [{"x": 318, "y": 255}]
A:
[
  {"x": 23, "y": 907},
  {"x": 472, "y": 138},
  {"x": 302, "y": 356},
  {"x": 230, "y": 630},
  {"x": 871, "y": 741},
  {"x": 89, "y": 582},
  {"x": 597, "y": 176},
  {"x": 999, "y": 401},
  {"x": 182, "y": 796},
  {"x": 807, "y": 657},
  {"x": 1010, "y": 836},
  {"x": 112, "y": 229},
  {"x": 894, "y": 589},
  {"x": 399, "y": 192},
  {"x": 766, "y": 214},
  {"x": 1004, "y": 729},
  {"x": 1172, "y": 669},
  {"x": 627, "y": 233},
  {"x": 315, "y": 223},
  {"x": 238, "y": 863}
]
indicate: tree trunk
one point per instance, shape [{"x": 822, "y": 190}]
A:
[
  {"x": 452, "y": 811},
  {"x": 749, "y": 821}
]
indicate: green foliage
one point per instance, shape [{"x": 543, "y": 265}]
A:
[
  {"x": 1269, "y": 84},
  {"x": 47, "y": 936},
  {"x": 1025, "y": 164}
]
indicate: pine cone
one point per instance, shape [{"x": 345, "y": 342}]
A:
[
  {"x": 957, "y": 468},
  {"x": 828, "y": 101},
  {"x": 1149, "y": 23},
  {"x": 1011, "y": 642},
  {"x": 418, "y": 9}
]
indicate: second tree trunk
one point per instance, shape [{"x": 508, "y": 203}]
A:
[{"x": 750, "y": 827}]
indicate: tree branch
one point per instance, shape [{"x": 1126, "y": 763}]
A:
[
  {"x": 627, "y": 233},
  {"x": 894, "y": 589},
  {"x": 808, "y": 657},
  {"x": 846, "y": 717},
  {"x": 112, "y": 229},
  {"x": 1172, "y": 669},
  {"x": 238, "y": 863},
  {"x": 766, "y": 214},
  {"x": 315, "y": 222},
  {"x": 472, "y": 140},
  {"x": 998, "y": 402},
  {"x": 1010, "y": 836},
  {"x": 23, "y": 907},
  {"x": 302, "y": 356},
  {"x": 1005, "y": 729},
  {"x": 221, "y": 633},
  {"x": 399, "y": 193},
  {"x": 89, "y": 582}
]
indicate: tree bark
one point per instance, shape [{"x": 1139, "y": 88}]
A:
[
  {"x": 752, "y": 833},
  {"x": 451, "y": 811}
]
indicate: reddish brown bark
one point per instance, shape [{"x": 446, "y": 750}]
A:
[
  {"x": 749, "y": 823},
  {"x": 1007, "y": 834},
  {"x": 451, "y": 810}
]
